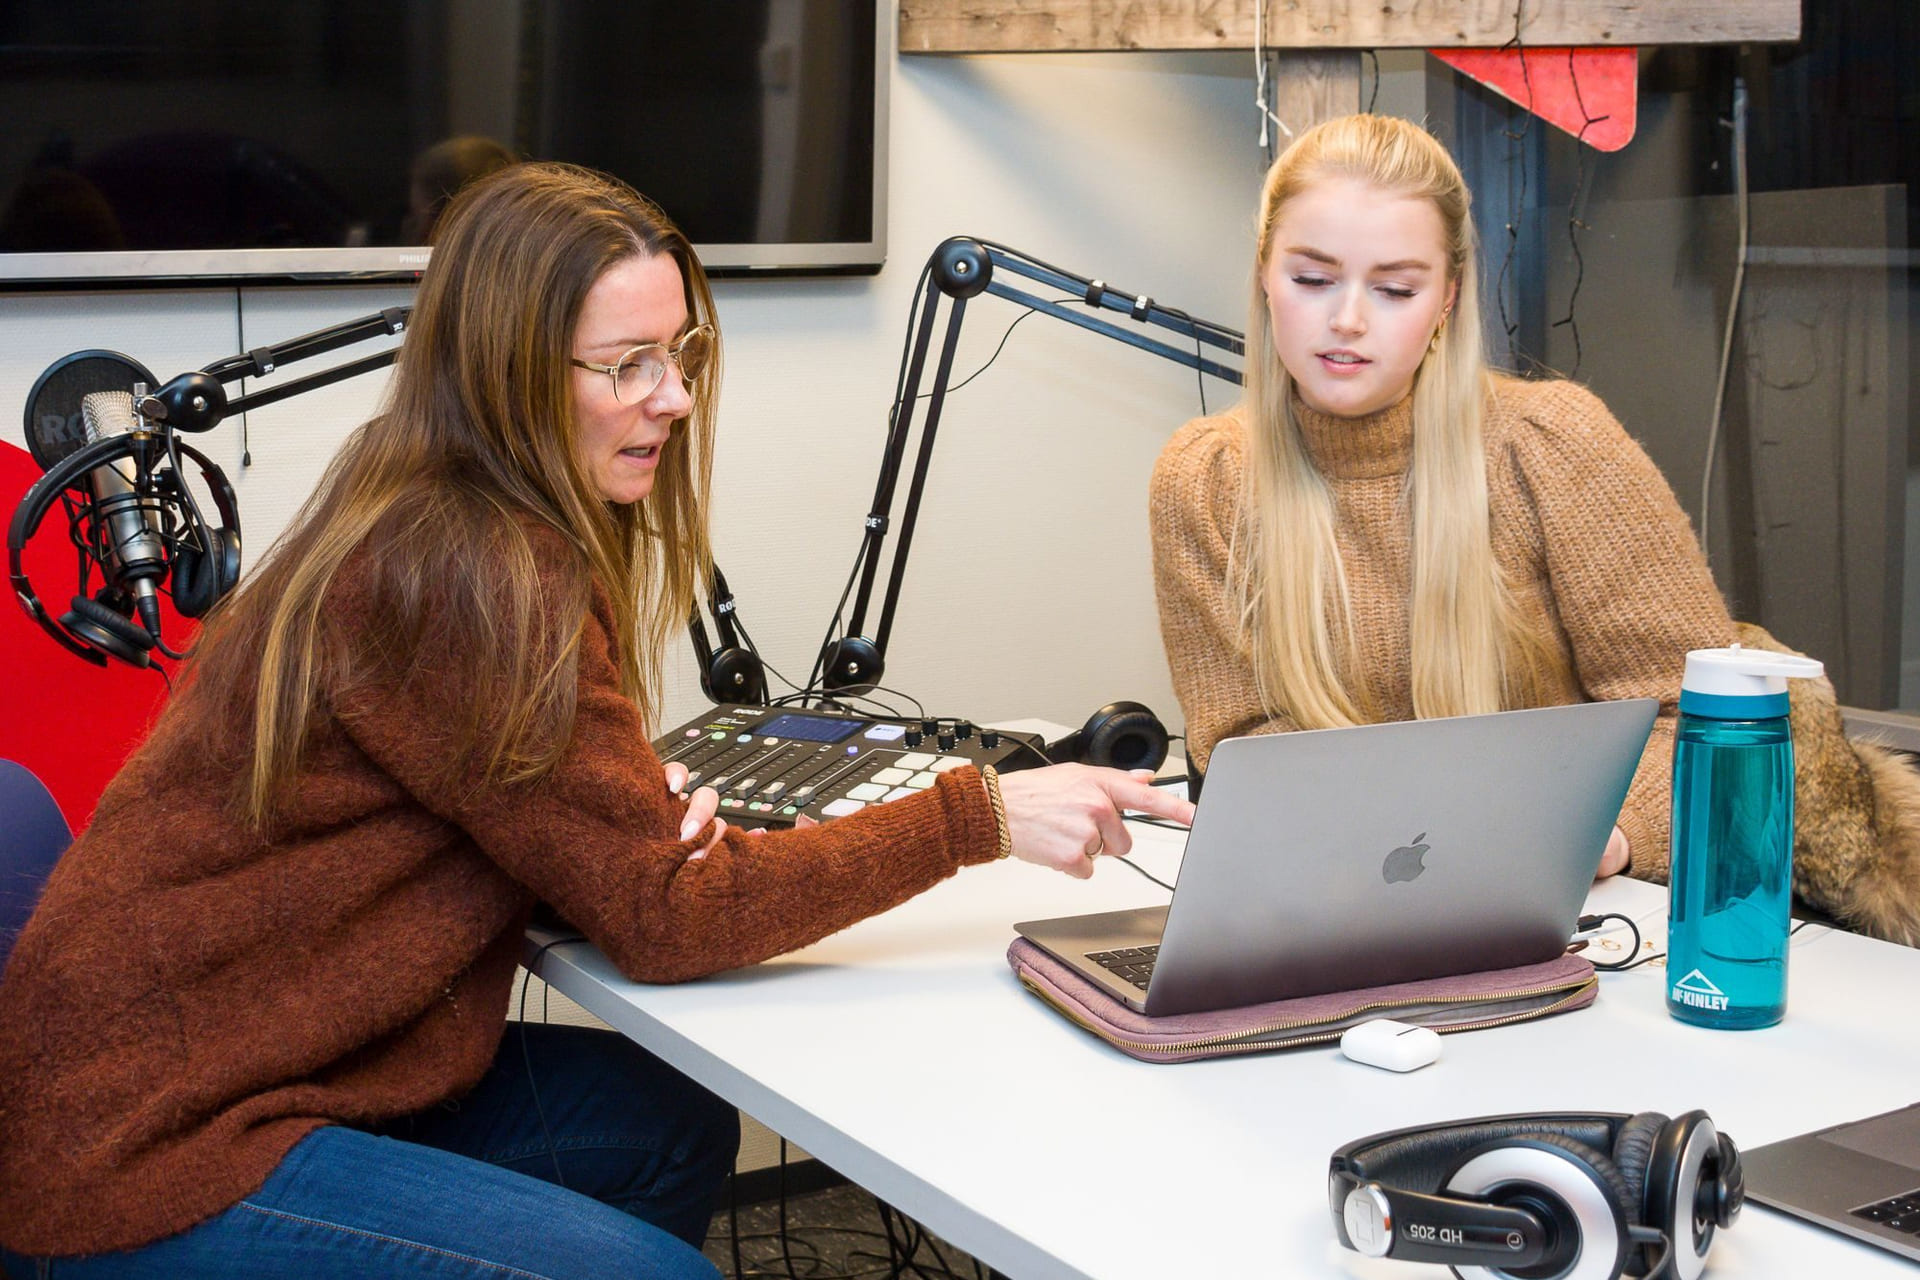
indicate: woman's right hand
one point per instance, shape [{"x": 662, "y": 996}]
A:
[{"x": 1066, "y": 815}]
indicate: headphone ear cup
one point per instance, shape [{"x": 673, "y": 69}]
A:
[
  {"x": 1631, "y": 1152},
  {"x": 1577, "y": 1188},
  {"x": 1120, "y": 735},
  {"x": 1689, "y": 1170},
  {"x": 1732, "y": 1189},
  {"x": 200, "y": 580},
  {"x": 99, "y": 627}
]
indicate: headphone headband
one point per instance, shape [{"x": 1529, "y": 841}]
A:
[{"x": 1420, "y": 1157}]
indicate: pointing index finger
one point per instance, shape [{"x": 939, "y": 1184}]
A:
[{"x": 1129, "y": 793}]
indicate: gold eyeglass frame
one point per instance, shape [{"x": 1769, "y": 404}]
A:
[{"x": 672, "y": 350}]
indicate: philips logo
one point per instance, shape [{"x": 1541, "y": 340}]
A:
[
  {"x": 415, "y": 259},
  {"x": 1696, "y": 992}
]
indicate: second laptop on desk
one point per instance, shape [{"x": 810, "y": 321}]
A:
[{"x": 1340, "y": 859}]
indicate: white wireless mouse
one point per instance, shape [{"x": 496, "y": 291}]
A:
[{"x": 1396, "y": 1046}]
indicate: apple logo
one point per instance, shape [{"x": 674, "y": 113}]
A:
[{"x": 1404, "y": 863}]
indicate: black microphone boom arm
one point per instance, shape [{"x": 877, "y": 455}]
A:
[
  {"x": 963, "y": 268},
  {"x": 197, "y": 401}
]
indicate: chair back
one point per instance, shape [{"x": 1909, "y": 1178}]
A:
[{"x": 33, "y": 835}]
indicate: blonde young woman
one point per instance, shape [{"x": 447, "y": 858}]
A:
[
  {"x": 1383, "y": 530},
  {"x": 255, "y": 1024}
]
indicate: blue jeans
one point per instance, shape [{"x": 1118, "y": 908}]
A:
[{"x": 467, "y": 1190}]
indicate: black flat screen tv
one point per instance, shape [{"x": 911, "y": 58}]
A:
[{"x": 183, "y": 141}]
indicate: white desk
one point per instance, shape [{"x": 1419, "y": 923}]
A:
[{"x": 904, "y": 1054}]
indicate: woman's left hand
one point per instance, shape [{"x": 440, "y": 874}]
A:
[
  {"x": 1614, "y": 860},
  {"x": 702, "y": 805}
]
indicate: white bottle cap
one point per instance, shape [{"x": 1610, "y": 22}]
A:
[{"x": 1735, "y": 672}]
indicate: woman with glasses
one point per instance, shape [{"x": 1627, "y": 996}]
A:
[{"x": 255, "y": 1025}]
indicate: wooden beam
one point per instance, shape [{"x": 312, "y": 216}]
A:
[
  {"x": 1309, "y": 86},
  {"x": 1032, "y": 26}
]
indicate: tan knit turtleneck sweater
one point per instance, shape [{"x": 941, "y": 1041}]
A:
[{"x": 1603, "y": 561}]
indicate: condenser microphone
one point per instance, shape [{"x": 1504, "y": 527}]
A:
[{"x": 136, "y": 553}]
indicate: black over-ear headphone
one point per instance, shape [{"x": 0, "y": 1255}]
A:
[
  {"x": 733, "y": 672},
  {"x": 203, "y": 559},
  {"x": 1580, "y": 1196},
  {"x": 1121, "y": 735}
]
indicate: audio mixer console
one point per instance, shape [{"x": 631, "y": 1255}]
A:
[{"x": 773, "y": 764}]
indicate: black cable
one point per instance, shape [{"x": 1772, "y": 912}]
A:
[
  {"x": 1652, "y": 1235},
  {"x": 1373, "y": 96},
  {"x": 786, "y": 1246},
  {"x": 754, "y": 649},
  {"x": 240, "y": 322},
  {"x": 1573, "y": 218},
  {"x": 526, "y": 1055},
  {"x": 733, "y": 1222},
  {"x": 1008, "y": 333},
  {"x": 840, "y": 701},
  {"x": 1199, "y": 374},
  {"x": 816, "y": 678},
  {"x": 1517, "y": 198},
  {"x": 1030, "y": 749},
  {"x": 1135, "y": 867},
  {"x": 1587, "y": 924}
]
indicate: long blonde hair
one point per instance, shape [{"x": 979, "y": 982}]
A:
[
  {"x": 476, "y": 443},
  {"x": 1471, "y": 652}
]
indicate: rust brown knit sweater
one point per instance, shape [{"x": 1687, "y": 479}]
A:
[
  {"x": 1603, "y": 560},
  {"x": 189, "y": 1001}
]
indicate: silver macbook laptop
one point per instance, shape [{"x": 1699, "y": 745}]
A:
[
  {"x": 1862, "y": 1178},
  {"x": 1344, "y": 858}
]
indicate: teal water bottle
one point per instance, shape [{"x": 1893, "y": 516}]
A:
[{"x": 1731, "y": 881}]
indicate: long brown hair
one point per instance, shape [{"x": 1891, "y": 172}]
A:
[
  {"x": 1472, "y": 650},
  {"x": 474, "y": 447}
]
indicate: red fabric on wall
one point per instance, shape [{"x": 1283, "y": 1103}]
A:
[
  {"x": 70, "y": 722},
  {"x": 1591, "y": 93}
]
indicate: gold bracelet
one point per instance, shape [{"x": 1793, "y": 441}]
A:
[{"x": 992, "y": 777}]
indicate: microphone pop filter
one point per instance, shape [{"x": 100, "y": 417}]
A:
[{"x": 56, "y": 423}]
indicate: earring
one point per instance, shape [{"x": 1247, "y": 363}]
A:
[{"x": 1433, "y": 343}]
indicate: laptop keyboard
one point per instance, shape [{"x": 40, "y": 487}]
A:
[
  {"x": 1901, "y": 1212},
  {"x": 1129, "y": 964}
]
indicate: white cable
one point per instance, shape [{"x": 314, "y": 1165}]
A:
[
  {"x": 1733, "y": 302},
  {"x": 1260, "y": 75}
]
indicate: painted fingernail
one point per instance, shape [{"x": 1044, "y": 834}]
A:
[{"x": 687, "y": 829}]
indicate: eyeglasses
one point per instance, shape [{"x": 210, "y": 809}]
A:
[{"x": 636, "y": 373}]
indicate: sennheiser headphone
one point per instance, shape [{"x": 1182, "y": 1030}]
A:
[
  {"x": 734, "y": 671},
  {"x": 1120, "y": 735},
  {"x": 1542, "y": 1197},
  {"x": 204, "y": 559}
]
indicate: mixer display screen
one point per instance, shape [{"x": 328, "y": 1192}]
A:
[{"x": 809, "y": 728}]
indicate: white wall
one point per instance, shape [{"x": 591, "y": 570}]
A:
[{"x": 1029, "y": 590}]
